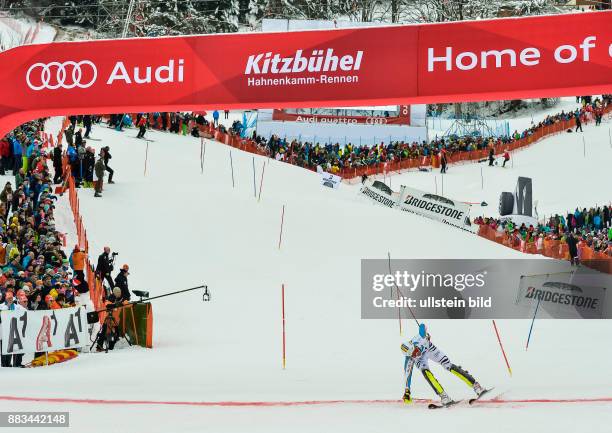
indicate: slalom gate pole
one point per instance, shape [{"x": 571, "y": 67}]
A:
[
  {"x": 583, "y": 147},
  {"x": 254, "y": 186},
  {"x": 232, "y": 167},
  {"x": 436, "y": 183},
  {"x": 146, "y": 158},
  {"x": 532, "y": 322},
  {"x": 481, "y": 179},
  {"x": 284, "y": 335},
  {"x": 263, "y": 171},
  {"x": 280, "y": 237},
  {"x": 502, "y": 348},
  {"x": 202, "y": 152},
  {"x": 399, "y": 292}
]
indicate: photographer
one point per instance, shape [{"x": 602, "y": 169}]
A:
[
  {"x": 122, "y": 283},
  {"x": 105, "y": 267},
  {"x": 109, "y": 333}
]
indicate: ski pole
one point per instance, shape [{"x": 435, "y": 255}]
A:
[{"x": 399, "y": 292}]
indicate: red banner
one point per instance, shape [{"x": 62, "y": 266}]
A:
[
  {"x": 463, "y": 61},
  {"x": 401, "y": 118}
]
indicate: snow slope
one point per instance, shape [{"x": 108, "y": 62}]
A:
[
  {"x": 569, "y": 170},
  {"x": 178, "y": 228}
]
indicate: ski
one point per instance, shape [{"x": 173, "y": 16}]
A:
[
  {"x": 472, "y": 400},
  {"x": 442, "y": 406}
]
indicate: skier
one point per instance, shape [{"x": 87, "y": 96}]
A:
[{"x": 418, "y": 351}]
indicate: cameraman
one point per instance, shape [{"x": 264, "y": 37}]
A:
[
  {"x": 105, "y": 267},
  {"x": 109, "y": 332},
  {"x": 122, "y": 282}
]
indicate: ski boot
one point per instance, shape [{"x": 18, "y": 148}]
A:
[
  {"x": 478, "y": 389},
  {"x": 445, "y": 399},
  {"x": 407, "y": 399}
]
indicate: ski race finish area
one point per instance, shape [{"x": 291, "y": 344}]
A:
[{"x": 462, "y": 61}]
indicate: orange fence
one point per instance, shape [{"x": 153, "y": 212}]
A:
[
  {"x": 548, "y": 247},
  {"x": 96, "y": 290}
]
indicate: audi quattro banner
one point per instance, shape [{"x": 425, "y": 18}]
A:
[
  {"x": 402, "y": 118},
  {"x": 43, "y": 331},
  {"x": 421, "y": 203},
  {"x": 542, "y": 56}
]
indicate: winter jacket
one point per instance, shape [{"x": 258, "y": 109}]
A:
[
  {"x": 4, "y": 148},
  {"x": 77, "y": 259},
  {"x": 104, "y": 267},
  {"x": 99, "y": 168},
  {"x": 122, "y": 282},
  {"x": 57, "y": 157}
]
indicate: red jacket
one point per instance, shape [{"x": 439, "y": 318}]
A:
[{"x": 4, "y": 148}]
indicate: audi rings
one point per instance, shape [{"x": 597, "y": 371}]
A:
[{"x": 66, "y": 75}]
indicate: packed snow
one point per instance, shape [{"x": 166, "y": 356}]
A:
[{"x": 178, "y": 227}]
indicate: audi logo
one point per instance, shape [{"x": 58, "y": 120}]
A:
[{"x": 66, "y": 75}]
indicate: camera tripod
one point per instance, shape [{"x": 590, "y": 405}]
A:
[{"x": 109, "y": 333}]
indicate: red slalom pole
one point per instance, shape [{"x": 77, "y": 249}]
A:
[
  {"x": 502, "y": 348},
  {"x": 283, "y": 308},
  {"x": 263, "y": 171},
  {"x": 280, "y": 237}
]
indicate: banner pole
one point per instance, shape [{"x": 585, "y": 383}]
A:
[
  {"x": 284, "y": 334},
  {"x": 502, "y": 348},
  {"x": 280, "y": 238}
]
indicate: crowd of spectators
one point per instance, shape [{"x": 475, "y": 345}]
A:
[
  {"x": 334, "y": 157},
  {"x": 587, "y": 227},
  {"x": 35, "y": 272}
]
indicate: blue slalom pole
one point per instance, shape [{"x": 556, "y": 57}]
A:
[{"x": 532, "y": 322}]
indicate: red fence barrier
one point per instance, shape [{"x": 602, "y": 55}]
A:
[
  {"x": 555, "y": 249},
  {"x": 249, "y": 145}
]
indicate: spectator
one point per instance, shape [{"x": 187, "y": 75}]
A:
[
  {"x": 106, "y": 157},
  {"x": 99, "y": 169},
  {"x": 58, "y": 164},
  {"x": 122, "y": 283},
  {"x": 77, "y": 262}
]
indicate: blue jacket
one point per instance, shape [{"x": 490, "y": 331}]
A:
[{"x": 16, "y": 147}]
